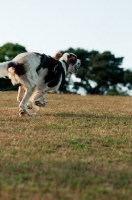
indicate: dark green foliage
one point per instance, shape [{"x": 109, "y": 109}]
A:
[
  {"x": 105, "y": 71},
  {"x": 7, "y": 52},
  {"x": 128, "y": 78}
]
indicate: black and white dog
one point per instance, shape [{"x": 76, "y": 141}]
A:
[{"x": 37, "y": 73}]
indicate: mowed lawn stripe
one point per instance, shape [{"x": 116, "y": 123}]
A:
[{"x": 78, "y": 147}]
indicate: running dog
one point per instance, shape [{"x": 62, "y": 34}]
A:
[{"x": 37, "y": 73}]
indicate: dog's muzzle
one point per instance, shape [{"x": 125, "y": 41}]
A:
[
  {"x": 77, "y": 65},
  {"x": 76, "y": 69}
]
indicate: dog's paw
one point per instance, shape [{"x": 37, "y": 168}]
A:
[
  {"x": 29, "y": 106},
  {"x": 36, "y": 108},
  {"x": 21, "y": 112},
  {"x": 39, "y": 103},
  {"x": 32, "y": 114}
]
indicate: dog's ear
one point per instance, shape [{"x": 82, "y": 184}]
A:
[
  {"x": 58, "y": 56},
  {"x": 72, "y": 58}
]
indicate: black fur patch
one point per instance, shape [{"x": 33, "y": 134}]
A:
[{"x": 55, "y": 70}]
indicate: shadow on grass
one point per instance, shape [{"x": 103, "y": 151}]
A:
[{"x": 93, "y": 116}]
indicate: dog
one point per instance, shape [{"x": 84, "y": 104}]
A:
[
  {"x": 37, "y": 73},
  {"x": 41, "y": 101}
]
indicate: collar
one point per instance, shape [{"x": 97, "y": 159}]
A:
[
  {"x": 43, "y": 59},
  {"x": 66, "y": 65},
  {"x": 65, "y": 62},
  {"x": 62, "y": 70}
]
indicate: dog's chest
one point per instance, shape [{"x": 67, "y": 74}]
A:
[{"x": 54, "y": 72}]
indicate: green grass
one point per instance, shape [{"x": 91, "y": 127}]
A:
[{"x": 77, "y": 148}]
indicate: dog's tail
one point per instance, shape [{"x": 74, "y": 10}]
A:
[
  {"x": 4, "y": 70},
  {"x": 12, "y": 70},
  {"x": 15, "y": 70}
]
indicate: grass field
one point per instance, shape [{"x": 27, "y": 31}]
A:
[{"x": 77, "y": 148}]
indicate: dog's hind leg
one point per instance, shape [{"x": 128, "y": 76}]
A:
[
  {"x": 41, "y": 101},
  {"x": 34, "y": 98},
  {"x": 31, "y": 104},
  {"x": 23, "y": 104},
  {"x": 38, "y": 97}
]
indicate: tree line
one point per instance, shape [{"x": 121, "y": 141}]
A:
[{"x": 100, "y": 73}]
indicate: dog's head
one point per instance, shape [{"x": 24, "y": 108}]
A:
[{"x": 71, "y": 61}]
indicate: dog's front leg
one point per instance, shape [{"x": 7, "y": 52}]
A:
[{"x": 21, "y": 92}]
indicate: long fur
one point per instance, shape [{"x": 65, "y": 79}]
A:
[{"x": 23, "y": 69}]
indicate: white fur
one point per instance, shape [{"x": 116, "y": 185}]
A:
[
  {"x": 3, "y": 70},
  {"x": 33, "y": 86}
]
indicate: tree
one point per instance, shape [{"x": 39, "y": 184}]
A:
[
  {"x": 7, "y": 52},
  {"x": 128, "y": 78},
  {"x": 105, "y": 70},
  {"x": 99, "y": 72}
]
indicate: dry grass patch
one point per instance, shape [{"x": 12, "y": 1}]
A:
[{"x": 76, "y": 148}]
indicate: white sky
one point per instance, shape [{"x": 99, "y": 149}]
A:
[{"x": 47, "y": 26}]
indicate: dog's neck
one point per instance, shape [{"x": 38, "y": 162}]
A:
[{"x": 66, "y": 66}]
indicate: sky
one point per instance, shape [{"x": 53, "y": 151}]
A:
[{"x": 47, "y": 26}]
